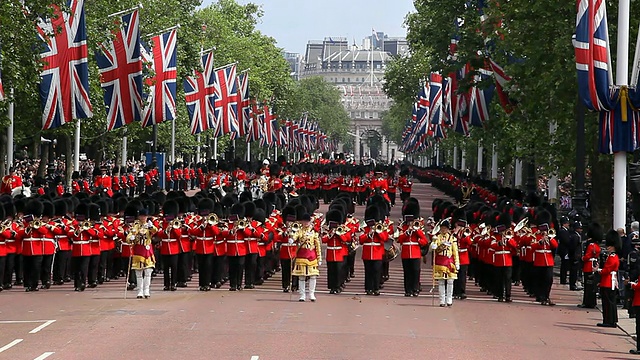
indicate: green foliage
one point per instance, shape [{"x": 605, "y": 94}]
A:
[{"x": 321, "y": 101}]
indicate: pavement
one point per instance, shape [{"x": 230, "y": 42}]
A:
[{"x": 265, "y": 323}]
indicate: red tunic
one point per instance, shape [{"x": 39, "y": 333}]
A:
[
  {"x": 607, "y": 272},
  {"x": 543, "y": 254},
  {"x": 169, "y": 239},
  {"x": 411, "y": 241},
  {"x": 206, "y": 237},
  {"x": 336, "y": 246},
  {"x": 373, "y": 244},
  {"x": 235, "y": 238},
  {"x": 502, "y": 254},
  {"x": 82, "y": 240},
  {"x": 592, "y": 252}
]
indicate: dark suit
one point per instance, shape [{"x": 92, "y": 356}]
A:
[{"x": 563, "y": 251}]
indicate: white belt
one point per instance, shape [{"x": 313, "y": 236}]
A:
[
  {"x": 334, "y": 247},
  {"x": 287, "y": 244},
  {"x": 411, "y": 243},
  {"x": 235, "y": 241},
  {"x": 261, "y": 244},
  {"x": 11, "y": 240},
  {"x": 502, "y": 252},
  {"x": 543, "y": 251},
  {"x": 169, "y": 240},
  {"x": 219, "y": 242},
  {"x": 2, "y": 242},
  {"x": 251, "y": 239},
  {"x": 32, "y": 239},
  {"x": 204, "y": 238},
  {"x": 372, "y": 244},
  {"x": 462, "y": 250},
  {"x": 61, "y": 236},
  {"x": 80, "y": 242}
]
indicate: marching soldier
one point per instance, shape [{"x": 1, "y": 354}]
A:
[
  {"x": 609, "y": 282},
  {"x": 543, "y": 258},
  {"x": 288, "y": 250},
  {"x": 80, "y": 233},
  {"x": 61, "y": 264},
  {"x": 412, "y": 238},
  {"x": 372, "y": 240},
  {"x": 446, "y": 262},
  {"x": 143, "y": 261},
  {"x": 336, "y": 236},
  {"x": 465, "y": 242},
  {"x": 170, "y": 234},
  {"x": 49, "y": 244},
  {"x": 32, "y": 246},
  {"x": 308, "y": 255},
  {"x": 239, "y": 229},
  {"x": 205, "y": 230},
  {"x": 503, "y": 244}
]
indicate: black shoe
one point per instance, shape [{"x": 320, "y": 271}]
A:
[
  {"x": 100, "y": 282},
  {"x": 82, "y": 287},
  {"x": 18, "y": 283},
  {"x": 218, "y": 285},
  {"x": 58, "y": 282},
  {"x": 508, "y": 300},
  {"x": 634, "y": 352},
  {"x": 376, "y": 293},
  {"x": 140, "y": 296},
  {"x": 76, "y": 289},
  {"x": 463, "y": 296},
  {"x": 131, "y": 287},
  {"x": 259, "y": 282},
  {"x": 575, "y": 288},
  {"x": 147, "y": 296},
  {"x": 238, "y": 287},
  {"x": 182, "y": 285},
  {"x": 232, "y": 289},
  {"x": 173, "y": 288},
  {"x": 249, "y": 286},
  {"x": 285, "y": 290},
  {"x": 415, "y": 293},
  {"x": 201, "y": 288},
  {"x": 207, "y": 288},
  {"x": 449, "y": 305},
  {"x": 166, "y": 288},
  {"x": 443, "y": 305},
  {"x": 7, "y": 286},
  {"x": 332, "y": 291},
  {"x": 606, "y": 325},
  {"x": 407, "y": 294},
  {"x": 369, "y": 292},
  {"x": 93, "y": 285},
  {"x": 500, "y": 299}
]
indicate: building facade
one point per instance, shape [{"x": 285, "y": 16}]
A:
[{"x": 358, "y": 72}]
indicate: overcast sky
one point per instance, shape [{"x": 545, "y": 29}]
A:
[{"x": 294, "y": 22}]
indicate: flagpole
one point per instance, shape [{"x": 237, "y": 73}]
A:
[
  {"x": 215, "y": 148},
  {"x": 162, "y": 31},
  {"x": 76, "y": 146},
  {"x": 479, "y": 167},
  {"x": 10, "y": 135},
  {"x": 124, "y": 149},
  {"x": 622, "y": 80},
  {"x": 173, "y": 141},
  {"x": 198, "y": 148},
  {"x": 248, "y": 152},
  {"x": 126, "y": 11}
]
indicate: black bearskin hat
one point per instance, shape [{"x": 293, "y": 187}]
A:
[
  {"x": 411, "y": 209},
  {"x": 34, "y": 207},
  {"x": 205, "y": 206},
  {"x": 372, "y": 213},
  {"x": 170, "y": 208}
]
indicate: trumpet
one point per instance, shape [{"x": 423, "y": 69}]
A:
[
  {"x": 551, "y": 233},
  {"x": 416, "y": 225},
  {"x": 242, "y": 224},
  {"x": 341, "y": 230},
  {"x": 295, "y": 227},
  {"x": 379, "y": 228},
  {"x": 466, "y": 232},
  {"x": 486, "y": 230},
  {"x": 86, "y": 225},
  {"x": 508, "y": 234},
  {"x": 212, "y": 220},
  {"x": 36, "y": 223},
  {"x": 6, "y": 225},
  {"x": 175, "y": 223}
]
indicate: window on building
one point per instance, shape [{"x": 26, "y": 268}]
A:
[
  {"x": 342, "y": 79},
  {"x": 348, "y": 80}
]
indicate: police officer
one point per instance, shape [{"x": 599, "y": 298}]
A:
[
  {"x": 633, "y": 261},
  {"x": 563, "y": 249},
  {"x": 574, "y": 253}
]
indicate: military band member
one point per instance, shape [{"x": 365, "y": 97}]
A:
[
  {"x": 446, "y": 262},
  {"x": 336, "y": 235},
  {"x": 412, "y": 238},
  {"x": 239, "y": 229},
  {"x": 80, "y": 233},
  {"x": 308, "y": 257},
  {"x": 463, "y": 232},
  {"x": 49, "y": 244},
  {"x": 543, "y": 258},
  {"x": 96, "y": 246},
  {"x": 251, "y": 259},
  {"x": 288, "y": 250},
  {"x": 609, "y": 282},
  {"x": 404, "y": 184},
  {"x": 170, "y": 234},
  {"x": 590, "y": 264},
  {"x": 372, "y": 240},
  {"x": 32, "y": 244},
  {"x": 62, "y": 261},
  {"x": 5, "y": 233},
  {"x": 504, "y": 245},
  {"x": 205, "y": 231},
  {"x": 143, "y": 261}
]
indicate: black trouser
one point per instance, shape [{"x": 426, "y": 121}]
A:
[
  {"x": 236, "y": 268},
  {"x": 61, "y": 265},
  {"x": 251, "y": 262},
  {"x": 636, "y": 310},
  {"x": 32, "y": 268},
  {"x": 609, "y": 305},
  {"x": 544, "y": 279},
  {"x": 565, "y": 265},
  {"x": 287, "y": 279},
  {"x": 404, "y": 196},
  {"x": 204, "y": 272},
  {"x": 503, "y": 279},
  {"x": 351, "y": 263},
  {"x": 3, "y": 260},
  {"x": 411, "y": 270},
  {"x": 392, "y": 197},
  {"x": 372, "y": 274},
  {"x": 102, "y": 264},
  {"x": 80, "y": 266},
  {"x": 9, "y": 268},
  {"x": 94, "y": 264},
  {"x": 573, "y": 273},
  {"x": 385, "y": 270},
  {"x": 515, "y": 274},
  {"x": 460, "y": 284},
  {"x": 184, "y": 270},
  {"x": 334, "y": 269},
  {"x": 260, "y": 267},
  {"x": 47, "y": 268},
  {"x": 217, "y": 269},
  {"x": 170, "y": 270},
  {"x": 526, "y": 274}
]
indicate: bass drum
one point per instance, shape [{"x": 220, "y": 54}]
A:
[{"x": 391, "y": 251}]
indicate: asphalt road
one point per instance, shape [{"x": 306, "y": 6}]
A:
[{"x": 267, "y": 324}]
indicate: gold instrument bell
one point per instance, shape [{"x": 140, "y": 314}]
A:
[
  {"x": 341, "y": 230},
  {"x": 552, "y": 233},
  {"x": 212, "y": 219},
  {"x": 86, "y": 225},
  {"x": 296, "y": 226},
  {"x": 36, "y": 223},
  {"x": 175, "y": 223},
  {"x": 242, "y": 224},
  {"x": 379, "y": 228}
]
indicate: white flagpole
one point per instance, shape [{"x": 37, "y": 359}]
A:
[
  {"x": 622, "y": 79},
  {"x": 126, "y": 11},
  {"x": 173, "y": 141},
  {"x": 215, "y": 148},
  {"x": 198, "y": 148},
  {"x": 124, "y": 150},
  {"x": 248, "y": 151},
  {"x": 76, "y": 146},
  {"x": 10, "y": 135}
]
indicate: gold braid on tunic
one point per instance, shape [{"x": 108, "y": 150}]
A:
[
  {"x": 447, "y": 246},
  {"x": 308, "y": 242},
  {"x": 141, "y": 235}
]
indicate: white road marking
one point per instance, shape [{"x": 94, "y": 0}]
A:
[
  {"x": 11, "y": 344},
  {"x": 47, "y": 323},
  {"x": 21, "y": 321},
  {"x": 44, "y": 355},
  {"x": 255, "y": 357}
]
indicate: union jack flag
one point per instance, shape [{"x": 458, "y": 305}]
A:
[
  {"x": 198, "y": 91},
  {"x": 479, "y": 102},
  {"x": 121, "y": 74},
  {"x": 64, "y": 85},
  {"x": 225, "y": 90},
  {"x": 161, "y": 100},
  {"x": 592, "y": 55},
  {"x": 435, "y": 98},
  {"x": 244, "y": 106}
]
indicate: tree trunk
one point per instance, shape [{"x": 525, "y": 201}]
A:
[{"x": 68, "y": 158}]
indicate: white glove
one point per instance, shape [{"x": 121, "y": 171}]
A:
[
  {"x": 319, "y": 263},
  {"x": 290, "y": 240},
  {"x": 458, "y": 267},
  {"x": 434, "y": 246}
]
